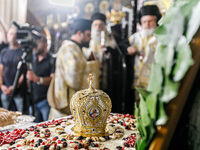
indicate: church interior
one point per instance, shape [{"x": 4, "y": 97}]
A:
[{"x": 150, "y": 93}]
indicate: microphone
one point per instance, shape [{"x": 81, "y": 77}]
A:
[{"x": 16, "y": 24}]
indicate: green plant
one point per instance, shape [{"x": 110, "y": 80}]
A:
[{"x": 173, "y": 57}]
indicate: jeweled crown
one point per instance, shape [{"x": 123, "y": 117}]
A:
[{"x": 90, "y": 108}]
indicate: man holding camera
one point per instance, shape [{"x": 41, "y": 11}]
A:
[
  {"x": 43, "y": 70},
  {"x": 9, "y": 59}
]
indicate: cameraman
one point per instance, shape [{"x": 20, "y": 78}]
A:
[
  {"x": 43, "y": 69},
  {"x": 9, "y": 59}
]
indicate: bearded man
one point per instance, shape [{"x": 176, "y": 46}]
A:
[
  {"x": 41, "y": 75},
  {"x": 99, "y": 32},
  {"x": 143, "y": 45},
  {"x": 72, "y": 70}
]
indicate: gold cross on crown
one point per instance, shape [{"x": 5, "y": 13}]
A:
[{"x": 90, "y": 79}]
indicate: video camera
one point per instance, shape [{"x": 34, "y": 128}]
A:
[{"x": 27, "y": 36}]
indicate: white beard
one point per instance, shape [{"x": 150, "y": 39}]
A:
[
  {"x": 148, "y": 32},
  {"x": 96, "y": 36}
]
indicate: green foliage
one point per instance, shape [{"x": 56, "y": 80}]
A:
[
  {"x": 183, "y": 61},
  {"x": 156, "y": 79},
  {"x": 170, "y": 90},
  {"x": 173, "y": 57}
]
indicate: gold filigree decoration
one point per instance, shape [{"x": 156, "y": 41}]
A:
[
  {"x": 90, "y": 80},
  {"x": 90, "y": 108},
  {"x": 115, "y": 16}
]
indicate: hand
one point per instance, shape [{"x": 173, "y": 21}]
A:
[
  {"x": 10, "y": 89},
  {"x": 131, "y": 50},
  {"x": 4, "y": 89},
  {"x": 32, "y": 76},
  {"x": 102, "y": 49},
  {"x": 52, "y": 75}
]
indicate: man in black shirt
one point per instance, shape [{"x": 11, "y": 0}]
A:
[
  {"x": 43, "y": 69},
  {"x": 9, "y": 58}
]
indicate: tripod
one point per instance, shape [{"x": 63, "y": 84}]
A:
[{"x": 22, "y": 67}]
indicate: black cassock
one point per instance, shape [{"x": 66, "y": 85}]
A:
[{"x": 117, "y": 76}]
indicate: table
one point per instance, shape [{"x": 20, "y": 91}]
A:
[{"x": 57, "y": 134}]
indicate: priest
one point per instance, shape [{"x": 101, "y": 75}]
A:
[
  {"x": 72, "y": 70},
  {"x": 143, "y": 44},
  {"x": 99, "y": 33}
]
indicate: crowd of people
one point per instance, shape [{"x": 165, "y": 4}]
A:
[{"x": 55, "y": 81}]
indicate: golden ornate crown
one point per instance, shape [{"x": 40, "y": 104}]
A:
[
  {"x": 90, "y": 108},
  {"x": 115, "y": 16}
]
